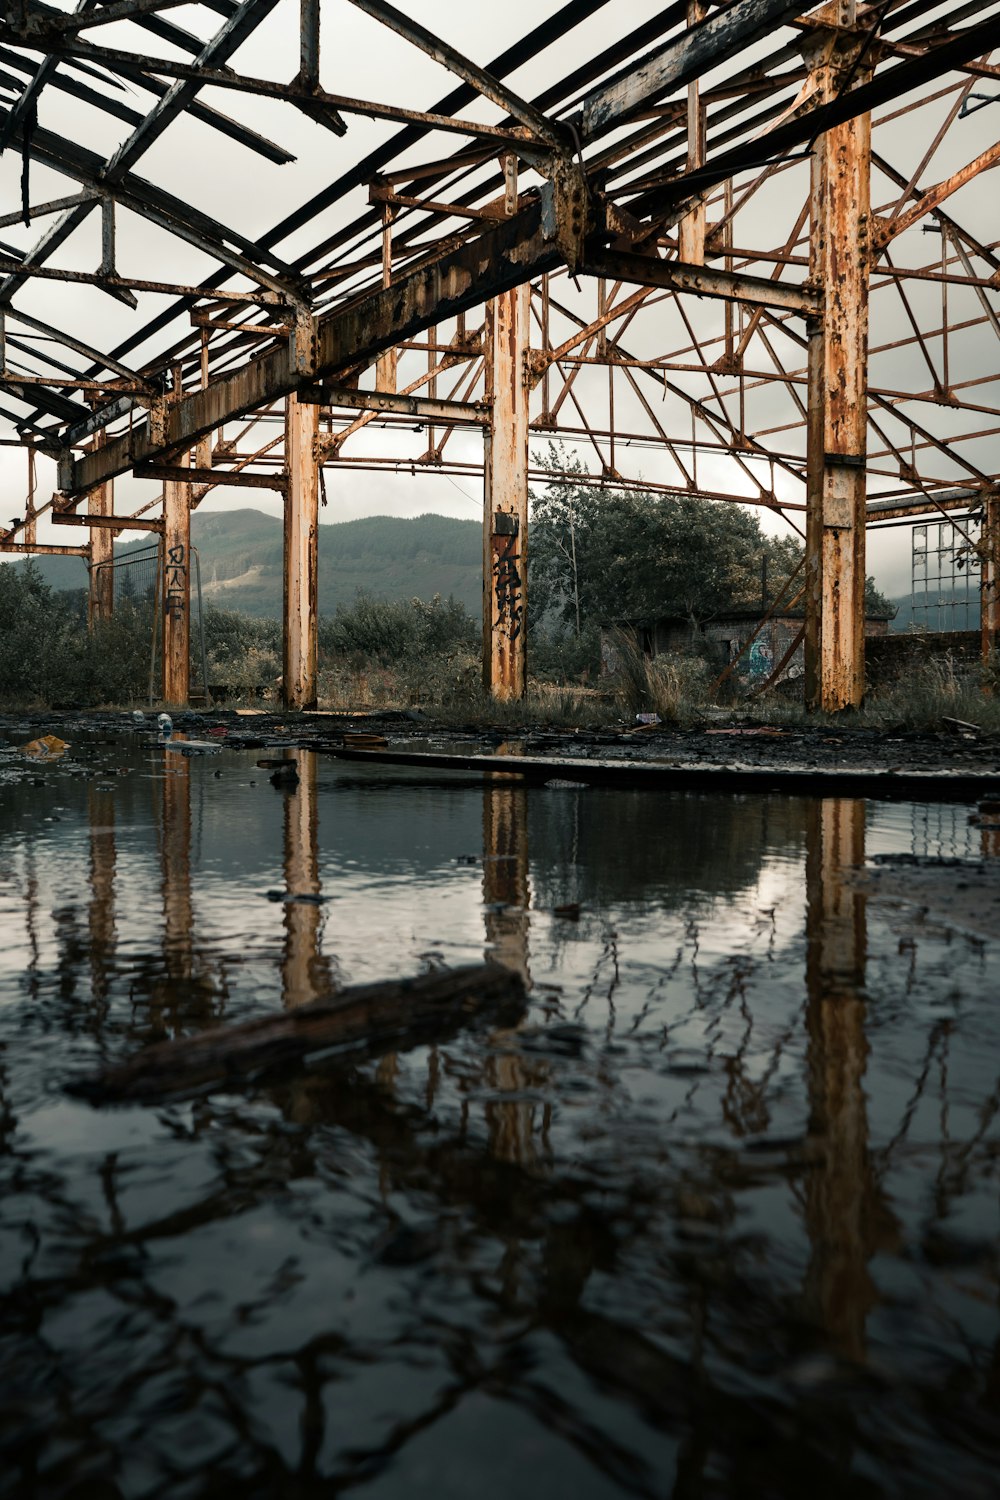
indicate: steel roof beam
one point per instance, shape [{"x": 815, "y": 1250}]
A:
[
  {"x": 681, "y": 60},
  {"x": 161, "y": 208},
  {"x": 112, "y": 106},
  {"x": 480, "y": 79}
]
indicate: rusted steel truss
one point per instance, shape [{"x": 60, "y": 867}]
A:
[{"x": 683, "y": 259}]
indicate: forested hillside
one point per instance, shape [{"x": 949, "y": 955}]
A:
[{"x": 386, "y": 556}]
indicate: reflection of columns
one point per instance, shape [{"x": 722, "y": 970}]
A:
[
  {"x": 102, "y": 888},
  {"x": 301, "y": 596},
  {"x": 304, "y": 975},
  {"x": 505, "y": 898},
  {"x": 176, "y": 590},
  {"x": 505, "y": 873},
  {"x": 839, "y": 260},
  {"x": 175, "y": 854},
  {"x": 840, "y": 1192},
  {"x": 505, "y": 521}
]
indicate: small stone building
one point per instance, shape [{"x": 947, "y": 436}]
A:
[{"x": 721, "y": 639}]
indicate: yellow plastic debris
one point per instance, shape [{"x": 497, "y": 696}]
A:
[{"x": 46, "y": 748}]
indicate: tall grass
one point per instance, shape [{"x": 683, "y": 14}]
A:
[{"x": 675, "y": 687}]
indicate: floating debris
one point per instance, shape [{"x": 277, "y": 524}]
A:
[{"x": 48, "y": 747}]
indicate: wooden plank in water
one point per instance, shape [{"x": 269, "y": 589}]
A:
[
  {"x": 358, "y": 1023},
  {"x": 933, "y": 785}
]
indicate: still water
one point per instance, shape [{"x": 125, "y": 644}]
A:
[{"x": 720, "y": 1217}]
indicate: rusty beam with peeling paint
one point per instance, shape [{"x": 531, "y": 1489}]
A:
[
  {"x": 175, "y": 592},
  {"x": 505, "y": 257},
  {"x": 101, "y": 583},
  {"x": 31, "y": 549},
  {"x": 301, "y": 543},
  {"x": 840, "y": 262},
  {"x": 681, "y": 59},
  {"x": 505, "y": 498},
  {"x": 648, "y": 270},
  {"x": 210, "y": 475},
  {"x": 97, "y": 520},
  {"x": 463, "y": 413}
]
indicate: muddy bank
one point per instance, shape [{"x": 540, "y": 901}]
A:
[{"x": 950, "y": 748}]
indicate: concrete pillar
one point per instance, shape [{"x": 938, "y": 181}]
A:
[
  {"x": 176, "y": 589},
  {"x": 839, "y": 262},
  {"x": 505, "y": 521},
  {"x": 301, "y": 594}
]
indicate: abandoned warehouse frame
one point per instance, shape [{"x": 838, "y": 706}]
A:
[{"x": 742, "y": 242}]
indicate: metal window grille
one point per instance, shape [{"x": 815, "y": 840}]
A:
[{"x": 946, "y": 574}]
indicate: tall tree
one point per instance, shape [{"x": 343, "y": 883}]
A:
[{"x": 599, "y": 554}]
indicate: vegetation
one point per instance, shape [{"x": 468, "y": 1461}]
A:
[
  {"x": 605, "y": 555},
  {"x": 49, "y": 655}
]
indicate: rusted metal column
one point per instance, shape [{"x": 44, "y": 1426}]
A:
[
  {"x": 839, "y": 262},
  {"x": 101, "y": 593},
  {"x": 691, "y": 229},
  {"x": 505, "y": 521},
  {"x": 176, "y": 588},
  {"x": 300, "y": 640},
  {"x": 990, "y": 583},
  {"x": 385, "y": 365}
]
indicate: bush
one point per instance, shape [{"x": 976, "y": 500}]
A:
[
  {"x": 392, "y": 632},
  {"x": 244, "y": 652},
  {"x": 559, "y": 656}
]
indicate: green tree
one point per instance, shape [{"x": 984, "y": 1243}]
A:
[{"x": 601, "y": 554}]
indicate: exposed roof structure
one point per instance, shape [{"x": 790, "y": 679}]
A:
[{"x": 210, "y": 221}]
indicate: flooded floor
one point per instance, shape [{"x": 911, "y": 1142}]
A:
[{"x": 720, "y": 1217}]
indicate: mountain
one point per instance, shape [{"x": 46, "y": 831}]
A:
[
  {"x": 390, "y": 557},
  {"x": 948, "y": 611}
]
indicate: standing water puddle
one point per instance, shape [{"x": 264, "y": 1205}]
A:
[{"x": 719, "y": 1218}]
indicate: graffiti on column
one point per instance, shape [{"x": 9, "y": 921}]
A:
[
  {"x": 507, "y": 588},
  {"x": 175, "y": 581}
]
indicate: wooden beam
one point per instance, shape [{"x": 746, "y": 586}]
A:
[{"x": 364, "y": 1020}]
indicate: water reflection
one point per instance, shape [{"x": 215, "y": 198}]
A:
[
  {"x": 718, "y": 1218},
  {"x": 305, "y": 973},
  {"x": 846, "y": 1215}
]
